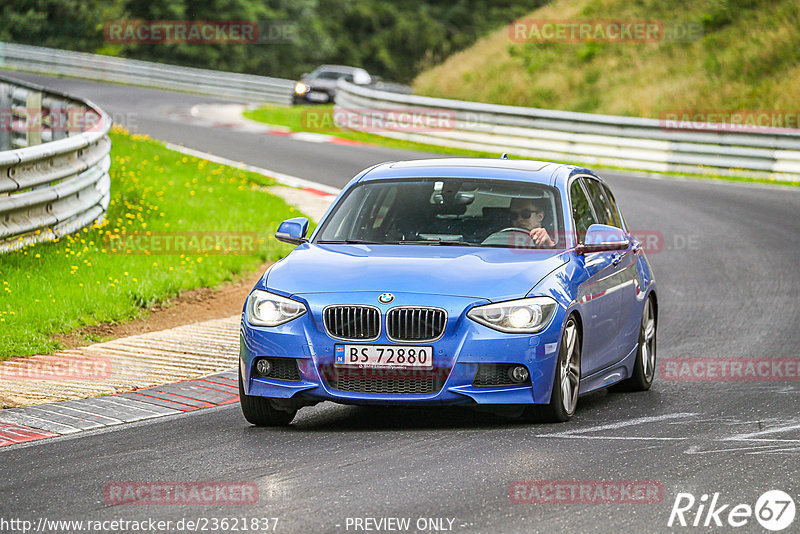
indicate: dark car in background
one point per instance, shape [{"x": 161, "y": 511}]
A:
[{"x": 319, "y": 87}]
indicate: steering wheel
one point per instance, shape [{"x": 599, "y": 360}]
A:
[
  {"x": 502, "y": 237},
  {"x": 515, "y": 229}
]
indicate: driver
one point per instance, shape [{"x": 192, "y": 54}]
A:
[{"x": 528, "y": 213}]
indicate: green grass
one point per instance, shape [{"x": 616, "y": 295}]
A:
[
  {"x": 295, "y": 119},
  {"x": 80, "y": 280}
]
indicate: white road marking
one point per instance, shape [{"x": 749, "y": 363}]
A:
[
  {"x": 698, "y": 179},
  {"x": 696, "y": 449},
  {"x": 619, "y": 424},
  {"x": 789, "y": 449},
  {"x": 309, "y": 137},
  {"x": 285, "y": 179},
  {"x": 771, "y": 440},
  {"x": 754, "y": 436},
  {"x": 633, "y": 438}
]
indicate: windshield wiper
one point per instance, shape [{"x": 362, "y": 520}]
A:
[
  {"x": 350, "y": 242},
  {"x": 420, "y": 242},
  {"x": 440, "y": 242}
]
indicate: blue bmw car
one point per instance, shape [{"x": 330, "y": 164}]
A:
[{"x": 492, "y": 283}]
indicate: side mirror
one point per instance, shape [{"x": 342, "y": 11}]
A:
[
  {"x": 601, "y": 238},
  {"x": 293, "y": 231}
]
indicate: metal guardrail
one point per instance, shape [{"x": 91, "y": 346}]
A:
[
  {"x": 626, "y": 142},
  {"x": 54, "y": 162},
  {"x": 243, "y": 87}
]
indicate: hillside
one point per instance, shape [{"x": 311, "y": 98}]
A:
[{"x": 745, "y": 56}]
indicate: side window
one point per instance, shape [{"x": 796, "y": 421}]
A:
[
  {"x": 614, "y": 208},
  {"x": 581, "y": 212},
  {"x": 601, "y": 206}
]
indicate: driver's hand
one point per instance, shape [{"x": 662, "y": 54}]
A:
[{"x": 541, "y": 237}]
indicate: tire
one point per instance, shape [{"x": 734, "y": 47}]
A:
[
  {"x": 566, "y": 383},
  {"x": 259, "y": 411},
  {"x": 644, "y": 369}
]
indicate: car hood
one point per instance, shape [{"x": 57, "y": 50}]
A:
[
  {"x": 491, "y": 273},
  {"x": 321, "y": 84}
]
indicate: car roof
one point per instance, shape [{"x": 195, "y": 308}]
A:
[
  {"x": 542, "y": 172},
  {"x": 339, "y": 68}
]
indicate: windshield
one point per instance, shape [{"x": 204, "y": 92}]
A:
[
  {"x": 441, "y": 211},
  {"x": 331, "y": 75}
]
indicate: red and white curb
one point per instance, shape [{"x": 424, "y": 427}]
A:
[
  {"x": 42, "y": 421},
  {"x": 31, "y": 423},
  {"x": 229, "y": 117}
]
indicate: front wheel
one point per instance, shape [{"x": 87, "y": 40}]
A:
[
  {"x": 644, "y": 369},
  {"x": 564, "y": 396},
  {"x": 259, "y": 411}
]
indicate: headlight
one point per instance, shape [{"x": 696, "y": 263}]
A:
[
  {"x": 300, "y": 88},
  {"x": 268, "y": 309},
  {"x": 516, "y": 316}
]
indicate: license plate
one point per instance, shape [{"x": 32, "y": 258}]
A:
[
  {"x": 390, "y": 356},
  {"x": 318, "y": 97}
]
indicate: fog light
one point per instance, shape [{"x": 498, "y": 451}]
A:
[
  {"x": 519, "y": 373},
  {"x": 263, "y": 367}
]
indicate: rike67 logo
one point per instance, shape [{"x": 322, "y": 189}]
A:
[{"x": 774, "y": 510}]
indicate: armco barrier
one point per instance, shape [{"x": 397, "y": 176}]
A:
[
  {"x": 54, "y": 162},
  {"x": 626, "y": 142},
  {"x": 244, "y": 87}
]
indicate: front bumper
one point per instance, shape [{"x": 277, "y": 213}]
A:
[
  {"x": 319, "y": 96},
  {"x": 457, "y": 354}
]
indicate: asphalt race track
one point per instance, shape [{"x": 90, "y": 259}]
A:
[{"x": 727, "y": 261}]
